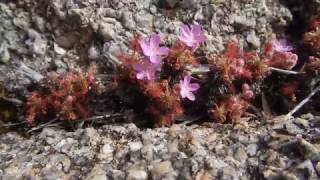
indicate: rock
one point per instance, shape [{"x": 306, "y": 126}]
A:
[
  {"x": 147, "y": 152},
  {"x": 188, "y": 4},
  {"x": 135, "y": 146},
  {"x": 106, "y": 152},
  {"x": 67, "y": 40},
  {"x": 253, "y": 40},
  {"x": 60, "y": 161},
  {"x": 306, "y": 168},
  {"x": 37, "y": 46},
  {"x": 116, "y": 174},
  {"x": 93, "y": 53},
  {"x": 307, "y": 117},
  {"x": 308, "y": 150},
  {"x": 240, "y": 155},
  {"x": 128, "y": 20},
  {"x": 229, "y": 173},
  {"x": 144, "y": 21},
  {"x": 171, "y": 3},
  {"x": 137, "y": 174},
  {"x": 161, "y": 169},
  {"x": 40, "y": 23},
  {"x": 293, "y": 129},
  {"x": 318, "y": 167},
  {"x": 106, "y": 31},
  {"x": 252, "y": 149},
  {"x": 97, "y": 174},
  {"x": 301, "y": 122},
  {"x": 4, "y": 53},
  {"x": 59, "y": 50},
  {"x": 242, "y": 22}
]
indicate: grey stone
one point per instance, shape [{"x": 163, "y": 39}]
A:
[
  {"x": 293, "y": 129},
  {"x": 252, "y": 149},
  {"x": 240, "y": 155},
  {"x": 318, "y": 167},
  {"x": 106, "y": 31},
  {"x": 307, "y": 168},
  {"x": 242, "y": 22},
  {"x": 301, "y": 122},
  {"x": 161, "y": 168},
  {"x": 144, "y": 21},
  {"x": 172, "y": 3},
  {"x": 128, "y": 20},
  {"x": 253, "y": 39},
  {"x": 137, "y": 174},
  {"x": 97, "y": 174},
  {"x": 4, "y": 53},
  {"x": 93, "y": 52}
]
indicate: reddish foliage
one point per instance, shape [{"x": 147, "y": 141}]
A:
[
  {"x": 163, "y": 104},
  {"x": 314, "y": 22},
  {"x": 247, "y": 93},
  {"x": 179, "y": 56},
  {"x": 313, "y": 66},
  {"x": 312, "y": 38},
  {"x": 288, "y": 90},
  {"x": 235, "y": 64},
  {"x": 285, "y": 60},
  {"x": 231, "y": 108},
  {"x": 67, "y": 95}
]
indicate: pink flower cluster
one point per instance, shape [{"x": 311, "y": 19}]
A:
[{"x": 192, "y": 36}]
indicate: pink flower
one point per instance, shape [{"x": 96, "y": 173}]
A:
[
  {"x": 247, "y": 93},
  {"x": 186, "y": 88},
  {"x": 281, "y": 45},
  {"x": 146, "y": 70},
  {"x": 191, "y": 36},
  {"x": 151, "y": 49}
]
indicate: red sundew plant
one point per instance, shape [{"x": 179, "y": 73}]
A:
[
  {"x": 162, "y": 75},
  {"x": 179, "y": 56},
  {"x": 66, "y": 95},
  {"x": 231, "y": 108},
  {"x": 289, "y": 90},
  {"x": 312, "y": 38},
  {"x": 277, "y": 54},
  {"x": 312, "y": 66},
  {"x": 142, "y": 69}
]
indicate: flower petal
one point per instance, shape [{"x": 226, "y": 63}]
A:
[
  {"x": 185, "y": 30},
  {"x": 140, "y": 75},
  {"x": 196, "y": 29},
  {"x": 200, "y": 38},
  {"x": 145, "y": 47},
  {"x": 194, "y": 86},
  {"x": 150, "y": 75},
  {"x": 154, "y": 41},
  {"x": 187, "y": 80},
  {"x": 155, "y": 59},
  {"x": 163, "y": 51},
  {"x": 191, "y": 96},
  {"x": 183, "y": 92},
  {"x": 137, "y": 67}
]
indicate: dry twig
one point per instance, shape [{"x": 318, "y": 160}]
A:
[{"x": 302, "y": 103}]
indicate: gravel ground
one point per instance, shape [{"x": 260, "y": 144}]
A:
[
  {"x": 59, "y": 35},
  {"x": 274, "y": 149}
]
